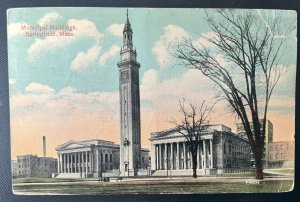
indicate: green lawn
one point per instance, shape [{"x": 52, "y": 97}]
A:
[
  {"x": 158, "y": 187},
  {"x": 287, "y": 171}
]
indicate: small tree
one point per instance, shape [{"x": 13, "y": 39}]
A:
[
  {"x": 193, "y": 122},
  {"x": 243, "y": 59}
]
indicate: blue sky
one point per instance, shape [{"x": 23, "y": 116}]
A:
[
  {"x": 147, "y": 26},
  {"x": 56, "y": 80}
]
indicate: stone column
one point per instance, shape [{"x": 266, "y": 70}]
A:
[
  {"x": 153, "y": 157},
  {"x": 171, "y": 157},
  {"x": 63, "y": 163},
  {"x": 211, "y": 154},
  {"x": 204, "y": 153},
  {"x": 156, "y": 154},
  {"x": 177, "y": 154},
  {"x": 92, "y": 161},
  {"x": 79, "y": 162},
  {"x": 166, "y": 157},
  {"x": 76, "y": 162},
  {"x": 68, "y": 165},
  {"x": 82, "y": 163},
  {"x": 58, "y": 163},
  {"x": 86, "y": 163},
  {"x": 160, "y": 161},
  {"x": 184, "y": 156},
  {"x": 72, "y": 163}
]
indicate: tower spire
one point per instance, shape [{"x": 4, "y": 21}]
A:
[{"x": 127, "y": 33}]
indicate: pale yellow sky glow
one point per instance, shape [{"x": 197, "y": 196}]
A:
[{"x": 69, "y": 115}]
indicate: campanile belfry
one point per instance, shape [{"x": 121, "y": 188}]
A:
[{"x": 130, "y": 129}]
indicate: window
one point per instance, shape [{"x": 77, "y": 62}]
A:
[
  {"x": 276, "y": 147},
  {"x": 271, "y": 156},
  {"x": 271, "y": 148},
  {"x": 106, "y": 157},
  {"x": 229, "y": 148},
  {"x": 281, "y": 155},
  {"x": 110, "y": 158},
  {"x": 281, "y": 147},
  {"x": 277, "y": 155}
]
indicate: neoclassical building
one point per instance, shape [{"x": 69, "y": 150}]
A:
[
  {"x": 91, "y": 158},
  {"x": 220, "y": 151}
]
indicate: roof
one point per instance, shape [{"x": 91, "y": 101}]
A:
[
  {"x": 209, "y": 128},
  {"x": 87, "y": 143}
]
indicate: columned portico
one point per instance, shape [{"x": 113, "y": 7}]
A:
[
  {"x": 176, "y": 156},
  {"x": 91, "y": 158},
  {"x": 218, "y": 151}
]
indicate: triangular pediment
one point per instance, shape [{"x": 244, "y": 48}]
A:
[
  {"x": 171, "y": 133},
  {"x": 71, "y": 145}
]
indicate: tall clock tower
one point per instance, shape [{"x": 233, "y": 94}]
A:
[{"x": 130, "y": 144}]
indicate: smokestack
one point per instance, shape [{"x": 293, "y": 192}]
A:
[{"x": 44, "y": 146}]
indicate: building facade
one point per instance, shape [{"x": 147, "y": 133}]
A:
[
  {"x": 33, "y": 166},
  {"x": 268, "y": 139},
  {"x": 91, "y": 158},
  {"x": 220, "y": 151},
  {"x": 281, "y": 154},
  {"x": 130, "y": 129}
]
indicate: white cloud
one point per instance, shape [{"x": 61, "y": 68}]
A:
[
  {"x": 116, "y": 29},
  {"x": 14, "y": 29},
  {"x": 85, "y": 28},
  {"x": 36, "y": 88},
  {"x": 203, "y": 40},
  {"x": 171, "y": 35},
  {"x": 164, "y": 95},
  {"x": 41, "y": 100},
  {"x": 49, "y": 18},
  {"x": 84, "y": 60},
  {"x": 12, "y": 81},
  {"x": 109, "y": 54}
]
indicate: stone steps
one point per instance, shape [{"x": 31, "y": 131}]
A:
[
  {"x": 185, "y": 172},
  {"x": 69, "y": 175}
]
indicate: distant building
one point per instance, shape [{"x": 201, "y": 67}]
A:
[
  {"x": 14, "y": 169},
  {"x": 33, "y": 166},
  {"x": 92, "y": 158},
  {"x": 220, "y": 151},
  {"x": 268, "y": 139},
  {"x": 281, "y": 154}
]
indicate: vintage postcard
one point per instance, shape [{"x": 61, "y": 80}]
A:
[{"x": 141, "y": 100}]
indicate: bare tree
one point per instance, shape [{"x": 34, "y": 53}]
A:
[
  {"x": 243, "y": 60},
  {"x": 191, "y": 126}
]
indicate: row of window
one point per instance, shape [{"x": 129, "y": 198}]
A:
[
  {"x": 277, "y": 156},
  {"x": 105, "y": 157},
  {"x": 235, "y": 163},
  {"x": 235, "y": 147},
  {"x": 277, "y": 147}
]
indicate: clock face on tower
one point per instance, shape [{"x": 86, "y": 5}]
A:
[{"x": 124, "y": 76}]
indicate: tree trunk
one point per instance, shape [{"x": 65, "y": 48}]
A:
[
  {"x": 258, "y": 166},
  {"x": 194, "y": 162}
]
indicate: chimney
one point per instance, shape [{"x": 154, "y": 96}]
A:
[{"x": 44, "y": 146}]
